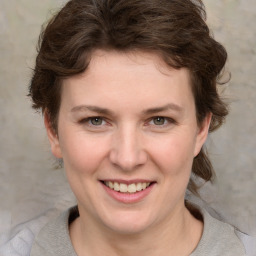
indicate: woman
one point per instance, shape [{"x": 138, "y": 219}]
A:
[{"x": 128, "y": 90}]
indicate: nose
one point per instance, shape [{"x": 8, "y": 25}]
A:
[{"x": 127, "y": 150}]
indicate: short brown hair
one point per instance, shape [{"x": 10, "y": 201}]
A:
[{"x": 173, "y": 29}]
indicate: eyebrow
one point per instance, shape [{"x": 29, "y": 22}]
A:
[
  {"x": 105, "y": 111},
  {"x": 170, "y": 106},
  {"x": 96, "y": 109}
]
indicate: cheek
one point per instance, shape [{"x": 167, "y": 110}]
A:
[
  {"x": 174, "y": 155},
  {"x": 173, "y": 159},
  {"x": 82, "y": 155}
]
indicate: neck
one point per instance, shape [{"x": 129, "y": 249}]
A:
[{"x": 178, "y": 234}]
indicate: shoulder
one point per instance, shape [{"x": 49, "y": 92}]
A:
[
  {"x": 53, "y": 238},
  {"x": 18, "y": 241},
  {"x": 249, "y": 243},
  {"x": 218, "y": 238},
  {"x": 18, "y": 244}
]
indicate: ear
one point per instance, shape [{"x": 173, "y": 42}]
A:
[
  {"x": 52, "y": 136},
  {"x": 202, "y": 133}
]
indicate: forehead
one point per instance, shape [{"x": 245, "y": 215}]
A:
[
  {"x": 128, "y": 78},
  {"x": 142, "y": 61}
]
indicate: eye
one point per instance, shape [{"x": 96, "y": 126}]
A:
[
  {"x": 93, "y": 121},
  {"x": 159, "y": 120},
  {"x": 96, "y": 121}
]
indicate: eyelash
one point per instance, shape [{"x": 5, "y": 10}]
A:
[
  {"x": 89, "y": 119},
  {"x": 167, "y": 121}
]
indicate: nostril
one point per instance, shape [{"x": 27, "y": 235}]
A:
[{"x": 128, "y": 160}]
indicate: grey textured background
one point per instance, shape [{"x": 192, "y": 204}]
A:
[{"x": 29, "y": 185}]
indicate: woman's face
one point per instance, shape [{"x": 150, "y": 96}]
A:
[{"x": 128, "y": 122}]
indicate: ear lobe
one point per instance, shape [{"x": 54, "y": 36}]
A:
[
  {"x": 202, "y": 134},
  {"x": 52, "y": 136}
]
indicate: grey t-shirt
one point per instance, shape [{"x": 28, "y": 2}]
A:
[{"x": 218, "y": 239}]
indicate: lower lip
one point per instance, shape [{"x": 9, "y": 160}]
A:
[{"x": 128, "y": 198}]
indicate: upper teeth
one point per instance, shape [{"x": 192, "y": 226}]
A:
[{"x": 124, "y": 188}]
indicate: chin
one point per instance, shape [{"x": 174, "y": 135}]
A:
[{"x": 128, "y": 223}]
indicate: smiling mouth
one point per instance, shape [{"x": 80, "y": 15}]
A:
[{"x": 125, "y": 188}]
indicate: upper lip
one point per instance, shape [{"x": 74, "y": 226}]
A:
[{"x": 127, "y": 182}]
